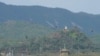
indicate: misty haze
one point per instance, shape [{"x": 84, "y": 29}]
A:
[{"x": 49, "y": 28}]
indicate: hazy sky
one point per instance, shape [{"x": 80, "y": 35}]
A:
[{"x": 90, "y": 6}]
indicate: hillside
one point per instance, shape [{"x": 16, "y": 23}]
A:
[
  {"x": 34, "y": 37},
  {"x": 19, "y": 29},
  {"x": 33, "y": 26},
  {"x": 56, "y": 17}
]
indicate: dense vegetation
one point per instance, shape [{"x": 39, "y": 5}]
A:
[
  {"x": 21, "y": 35},
  {"x": 26, "y": 28},
  {"x": 12, "y": 32}
]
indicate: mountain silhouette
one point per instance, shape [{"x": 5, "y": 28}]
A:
[{"x": 57, "y": 17}]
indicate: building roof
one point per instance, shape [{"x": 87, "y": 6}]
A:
[{"x": 64, "y": 49}]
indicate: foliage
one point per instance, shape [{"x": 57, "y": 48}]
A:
[
  {"x": 36, "y": 38},
  {"x": 46, "y": 43}
]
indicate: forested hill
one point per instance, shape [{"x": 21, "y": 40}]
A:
[
  {"x": 50, "y": 16},
  {"x": 20, "y": 29}
]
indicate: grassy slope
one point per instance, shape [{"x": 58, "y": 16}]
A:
[{"x": 15, "y": 31}]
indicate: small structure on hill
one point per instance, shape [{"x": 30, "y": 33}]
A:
[
  {"x": 65, "y": 29},
  {"x": 2, "y": 54},
  {"x": 64, "y": 52}
]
